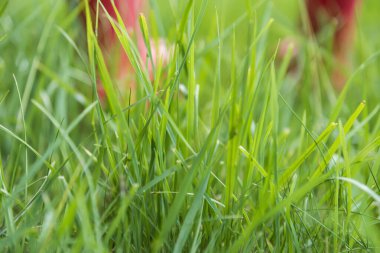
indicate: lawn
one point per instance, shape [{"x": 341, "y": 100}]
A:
[{"x": 219, "y": 149}]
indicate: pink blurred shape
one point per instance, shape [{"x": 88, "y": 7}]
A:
[
  {"x": 129, "y": 11},
  {"x": 343, "y": 12}
]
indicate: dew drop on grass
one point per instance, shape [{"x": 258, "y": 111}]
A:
[
  {"x": 253, "y": 128},
  {"x": 335, "y": 160},
  {"x": 183, "y": 89}
]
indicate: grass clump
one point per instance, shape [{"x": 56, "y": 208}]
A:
[{"x": 242, "y": 158}]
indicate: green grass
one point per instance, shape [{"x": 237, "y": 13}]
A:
[{"x": 166, "y": 171}]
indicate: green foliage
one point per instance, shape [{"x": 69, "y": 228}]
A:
[{"x": 249, "y": 158}]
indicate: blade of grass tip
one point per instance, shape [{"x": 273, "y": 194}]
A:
[
  {"x": 157, "y": 75},
  {"x": 145, "y": 33},
  {"x": 91, "y": 62},
  {"x": 244, "y": 68},
  {"x": 212, "y": 203},
  {"x": 191, "y": 131},
  {"x": 308, "y": 151},
  {"x": 191, "y": 41},
  {"x": 81, "y": 116},
  {"x": 165, "y": 174},
  {"x": 90, "y": 42},
  {"x": 232, "y": 145},
  {"x": 334, "y": 147},
  {"x": 260, "y": 168},
  {"x": 93, "y": 77},
  {"x": 346, "y": 173},
  {"x": 129, "y": 48},
  {"x": 217, "y": 78},
  {"x": 251, "y": 106},
  {"x": 284, "y": 67},
  {"x": 348, "y": 84},
  {"x": 259, "y": 43},
  {"x": 261, "y": 36},
  {"x": 275, "y": 115},
  {"x": 175, "y": 208},
  {"x": 25, "y": 138},
  {"x": 225, "y": 34},
  {"x": 364, "y": 122},
  {"x": 73, "y": 44},
  {"x": 107, "y": 83}
]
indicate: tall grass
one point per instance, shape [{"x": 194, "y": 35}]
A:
[{"x": 249, "y": 158}]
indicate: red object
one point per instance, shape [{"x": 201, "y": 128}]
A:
[
  {"x": 129, "y": 11},
  {"x": 343, "y": 11}
]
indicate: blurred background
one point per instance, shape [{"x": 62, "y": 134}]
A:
[{"x": 43, "y": 48}]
